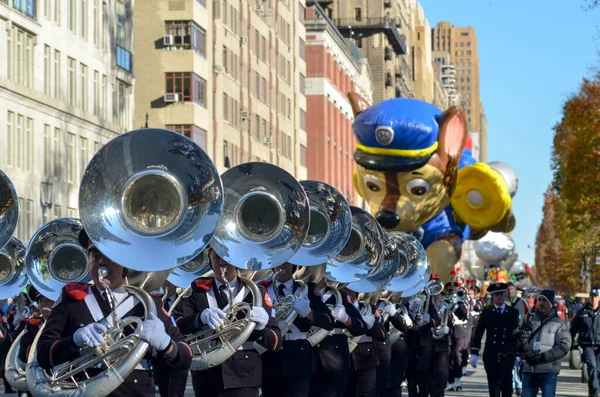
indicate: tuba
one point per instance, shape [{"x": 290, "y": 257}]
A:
[
  {"x": 444, "y": 312},
  {"x": 284, "y": 308},
  {"x": 13, "y": 280},
  {"x": 9, "y": 209},
  {"x": 265, "y": 220},
  {"x": 149, "y": 200},
  {"x": 432, "y": 288}
]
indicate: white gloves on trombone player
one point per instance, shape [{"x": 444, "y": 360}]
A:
[
  {"x": 260, "y": 316},
  {"x": 90, "y": 335},
  {"x": 339, "y": 313},
  {"x": 407, "y": 320},
  {"x": 302, "y": 306},
  {"x": 390, "y": 309},
  {"x": 426, "y": 319},
  {"x": 473, "y": 360},
  {"x": 212, "y": 317},
  {"x": 154, "y": 333}
]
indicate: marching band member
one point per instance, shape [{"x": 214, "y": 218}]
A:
[
  {"x": 333, "y": 365},
  {"x": 459, "y": 353},
  {"x": 74, "y": 322},
  {"x": 241, "y": 374},
  {"x": 34, "y": 322},
  {"x": 440, "y": 357},
  {"x": 5, "y": 343},
  {"x": 170, "y": 382},
  {"x": 287, "y": 373},
  {"x": 364, "y": 358},
  {"x": 420, "y": 341},
  {"x": 399, "y": 353},
  {"x": 498, "y": 321}
]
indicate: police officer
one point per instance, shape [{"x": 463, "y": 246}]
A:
[
  {"x": 333, "y": 355},
  {"x": 241, "y": 374},
  {"x": 364, "y": 358},
  {"x": 287, "y": 373},
  {"x": 74, "y": 322},
  {"x": 587, "y": 324},
  {"x": 171, "y": 383},
  {"x": 498, "y": 321}
]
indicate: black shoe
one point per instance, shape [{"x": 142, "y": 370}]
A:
[{"x": 518, "y": 391}]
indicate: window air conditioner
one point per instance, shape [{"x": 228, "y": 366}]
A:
[
  {"x": 171, "y": 97},
  {"x": 259, "y": 8},
  {"x": 168, "y": 40},
  {"x": 245, "y": 115}
]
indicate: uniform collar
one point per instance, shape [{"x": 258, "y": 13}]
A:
[
  {"x": 288, "y": 284},
  {"x": 502, "y": 308},
  {"x": 233, "y": 283}
]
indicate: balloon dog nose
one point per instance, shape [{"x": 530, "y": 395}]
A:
[{"x": 388, "y": 219}]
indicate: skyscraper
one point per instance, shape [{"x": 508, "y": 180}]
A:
[{"x": 461, "y": 43}]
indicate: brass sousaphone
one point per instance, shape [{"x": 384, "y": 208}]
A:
[{"x": 149, "y": 200}]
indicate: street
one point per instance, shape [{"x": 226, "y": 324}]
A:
[{"x": 475, "y": 385}]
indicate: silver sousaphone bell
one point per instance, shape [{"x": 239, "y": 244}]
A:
[
  {"x": 9, "y": 209},
  {"x": 414, "y": 264},
  {"x": 330, "y": 224},
  {"x": 54, "y": 257},
  {"x": 13, "y": 277},
  {"x": 150, "y": 199},
  {"x": 265, "y": 217},
  {"x": 362, "y": 255}
]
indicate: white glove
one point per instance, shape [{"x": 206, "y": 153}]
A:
[
  {"x": 339, "y": 313},
  {"x": 426, "y": 319},
  {"x": 407, "y": 319},
  {"x": 445, "y": 330},
  {"x": 369, "y": 320},
  {"x": 415, "y": 304},
  {"x": 153, "y": 332},
  {"x": 90, "y": 335},
  {"x": 473, "y": 360},
  {"x": 260, "y": 316},
  {"x": 302, "y": 306},
  {"x": 389, "y": 309},
  {"x": 212, "y": 317}
]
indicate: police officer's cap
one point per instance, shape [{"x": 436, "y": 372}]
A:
[{"x": 497, "y": 288}]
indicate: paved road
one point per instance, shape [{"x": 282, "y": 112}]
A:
[{"x": 475, "y": 385}]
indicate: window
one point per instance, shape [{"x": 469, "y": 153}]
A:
[
  {"x": 302, "y": 120},
  {"x": 187, "y": 35},
  {"x": 122, "y": 103},
  {"x": 189, "y": 86},
  {"x": 56, "y": 15},
  {"x": 56, "y": 147},
  {"x": 71, "y": 82},
  {"x": 96, "y": 146},
  {"x": 47, "y": 149},
  {"x": 302, "y": 84},
  {"x": 47, "y": 69},
  {"x": 96, "y": 93},
  {"x": 104, "y": 97},
  {"x": 358, "y": 14},
  {"x": 70, "y": 157},
  {"x": 469, "y": 44},
  {"x": 263, "y": 89},
  {"x": 27, "y": 7},
  {"x": 301, "y": 48},
  {"x": 10, "y": 138},
  {"x": 71, "y": 15},
  {"x": 57, "y": 211},
  {"x": 123, "y": 58},
  {"x": 56, "y": 75},
  {"x": 301, "y": 13},
  {"x": 225, "y": 105},
  {"x": 464, "y": 33},
  {"x": 19, "y": 142},
  {"x": 83, "y": 154},
  {"x": 193, "y": 132},
  {"x": 468, "y": 52},
  {"x": 28, "y": 146},
  {"x": 83, "y": 77},
  {"x": 20, "y": 56},
  {"x": 72, "y": 212},
  {"x": 96, "y": 21},
  {"x": 359, "y": 42},
  {"x": 303, "y": 155},
  {"x": 83, "y": 21}
]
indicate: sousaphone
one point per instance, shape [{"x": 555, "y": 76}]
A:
[{"x": 9, "y": 209}]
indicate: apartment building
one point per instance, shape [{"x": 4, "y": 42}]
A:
[
  {"x": 65, "y": 89},
  {"x": 228, "y": 74},
  {"x": 380, "y": 30},
  {"x": 335, "y": 68},
  {"x": 447, "y": 75}
]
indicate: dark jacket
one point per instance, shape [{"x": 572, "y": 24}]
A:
[
  {"x": 56, "y": 346},
  {"x": 384, "y": 349},
  {"x": 587, "y": 324},
  {"x": 422, "y": 336},
  {"x": 244, "y": 368},
  {"x": 499, "y": 329},
  {"x": 333, "y": 351},
  {"x": 365, "y": 354},
  {"x": 31, "y": 330},
  {"x": 297, "y": 356}
]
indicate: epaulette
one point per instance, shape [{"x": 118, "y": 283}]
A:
[
  {"x": 77, "y": 291},
  {"x": 204, "y": 283},
  {"x": 36, "y": 321},
  {"x": 265, "y": 283},
  {"x": 267, "y": 300}
]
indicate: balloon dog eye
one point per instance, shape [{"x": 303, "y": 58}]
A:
[
  {"x": 373, "y": 183},
  {"x": 417, "y": 186}
]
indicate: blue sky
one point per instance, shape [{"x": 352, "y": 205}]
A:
[{"x": 533, "y": 54}]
